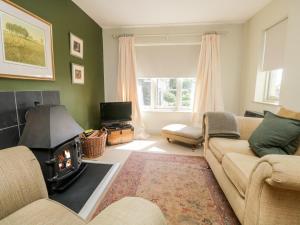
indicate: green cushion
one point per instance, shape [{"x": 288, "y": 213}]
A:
[{"x": 275, "y": 135}]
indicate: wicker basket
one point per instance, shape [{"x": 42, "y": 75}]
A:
[{"x": 93, "y": 146}]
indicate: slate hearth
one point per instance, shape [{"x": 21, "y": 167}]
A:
[
  {"x": 13, "y": 106},
  {"x": 76, "y": 196}
]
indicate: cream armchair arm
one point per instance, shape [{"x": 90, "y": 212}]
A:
[
  {"x": 273, "y": 192},
  {"x": 21, "y": 180},
  {"x": 130, "y": 211}
]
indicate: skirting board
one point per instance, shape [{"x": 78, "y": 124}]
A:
[{"x": 90, "y": 206}]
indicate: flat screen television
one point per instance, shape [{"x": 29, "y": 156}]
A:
[{"x": 114, "y": 112}]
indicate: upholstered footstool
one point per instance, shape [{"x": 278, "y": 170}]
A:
[{"x": 183, "y": 133}]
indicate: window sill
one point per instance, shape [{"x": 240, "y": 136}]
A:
[
  {"x": 267, "y": 103},
  {"x": 166, "y": 111}
]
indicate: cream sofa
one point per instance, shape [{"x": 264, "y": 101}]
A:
[
  {"x": 24, "y": 198},
  {"x": 261, "y": 191}
]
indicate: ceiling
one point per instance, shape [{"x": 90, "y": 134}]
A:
[{"x": 123, "y": 13}]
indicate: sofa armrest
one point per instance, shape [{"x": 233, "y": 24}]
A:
[
  {"x": 285, "y": 171},
  {"x": 130, "y": 211},
  {"x": 247, "y": 125},
  {"x": 273, "y": 186}
]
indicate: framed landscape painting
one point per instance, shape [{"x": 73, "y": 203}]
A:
[{"x": 26, "y": 50}]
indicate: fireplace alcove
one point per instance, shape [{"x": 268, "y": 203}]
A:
[{"x": 83, "y": 195}]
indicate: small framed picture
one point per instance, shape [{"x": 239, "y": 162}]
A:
[
  {"x": 76, "y": 46},
  {"x": 25, "y": 44},
  {"x": 77, "y": 74}
]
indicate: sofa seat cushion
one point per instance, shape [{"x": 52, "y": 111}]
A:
[
  {"x": 238, "y": 168},
  {"x": 43, "y": 212},
  {"x": 221, "y": 146}
]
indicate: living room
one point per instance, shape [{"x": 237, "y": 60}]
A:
[{"x": 149, "y": 112}]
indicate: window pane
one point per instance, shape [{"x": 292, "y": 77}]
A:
[
  {"x": 145, "y": 91},
  {"x": 274, "y": 85},
  {"x": 186, "y": 98},
  {"x": 187, "y": 83},
  {"x": 166, "y": 93},
  {"x": 187, "y": 93}
]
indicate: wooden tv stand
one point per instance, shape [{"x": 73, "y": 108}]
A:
[{"x": 119, "y": 134}]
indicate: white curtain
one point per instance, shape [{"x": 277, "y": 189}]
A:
[
  {"x": 127, "y": 83},
  {"x": 208, "y": 93}
]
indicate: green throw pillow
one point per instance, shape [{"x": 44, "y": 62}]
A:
[{"x": 275, "y": 135}]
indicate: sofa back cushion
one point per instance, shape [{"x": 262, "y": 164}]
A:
[
  {"x": 21, "y": 180},
  {"x": 247, "y": 125},
  {"x": 275, "y": 135},
  {"x": 284, "y": 112}
]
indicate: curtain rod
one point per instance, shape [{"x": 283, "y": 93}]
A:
[
  {"x": 167, "y": 44},
  {"x": 167, "y": 35}
]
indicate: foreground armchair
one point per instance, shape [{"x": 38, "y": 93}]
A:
[
  {"x": 24, "y": 198},
  {"x": 261, "y": 191}
]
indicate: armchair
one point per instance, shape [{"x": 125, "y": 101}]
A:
[{"x": 24, "y": 198}]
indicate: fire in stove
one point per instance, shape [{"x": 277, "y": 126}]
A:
[{"x": 64, "y": 159}]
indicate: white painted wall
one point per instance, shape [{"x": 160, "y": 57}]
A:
[
  {"x": 231, "y": 60},
  {"x": 290, "y": 86},
  {"x": 254, "y": 31}
]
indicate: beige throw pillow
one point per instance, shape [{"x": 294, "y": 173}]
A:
[{"x": 286, "y": 113}]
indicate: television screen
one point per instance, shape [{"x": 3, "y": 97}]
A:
[{"x": 115, "y": 111}]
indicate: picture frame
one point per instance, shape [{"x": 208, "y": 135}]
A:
[
  {"x": 77, "y": 74},
  {"x": 76, "y": 46},
  {"x": 26, "y": 45}
]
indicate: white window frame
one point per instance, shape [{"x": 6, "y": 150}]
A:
[
  {"x": 156, "y": 105},
  {"x": 154, "y": 90},
  {"x": 263, "y": 78},
  {"x": 267, "y": 98}
]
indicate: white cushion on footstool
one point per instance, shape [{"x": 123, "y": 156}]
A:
[
  {"x": 130, "y": 211},
  {"x": 183, "y": 130}
]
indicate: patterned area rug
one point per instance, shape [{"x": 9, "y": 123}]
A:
[{"x": 182, "y": 186}]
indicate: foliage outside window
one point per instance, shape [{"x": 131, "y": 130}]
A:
[{"x": 166, "y": 93}]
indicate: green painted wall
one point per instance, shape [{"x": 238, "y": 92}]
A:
[{"x": 82, "y": 101}]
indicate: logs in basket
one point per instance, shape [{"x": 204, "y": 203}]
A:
[{"x": 93, "y": 146}]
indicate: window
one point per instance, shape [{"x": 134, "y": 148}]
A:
[
  {"x": 273, "y": 84},
  {"x": 271, "y": 71},
  {"x": 145, "y": 91},
  {"x": 166, "y": 93}
]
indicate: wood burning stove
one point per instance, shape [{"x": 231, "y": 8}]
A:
[
  {"x": 62, "y": 165},
  {"x": 52, "y": 135}
]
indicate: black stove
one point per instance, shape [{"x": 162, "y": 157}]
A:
[{"x": 53, "y": 136}]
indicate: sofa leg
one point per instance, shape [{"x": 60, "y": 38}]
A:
[
  {"x": 169, "y": 140},
  {"x": 194, "y": 147}
]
